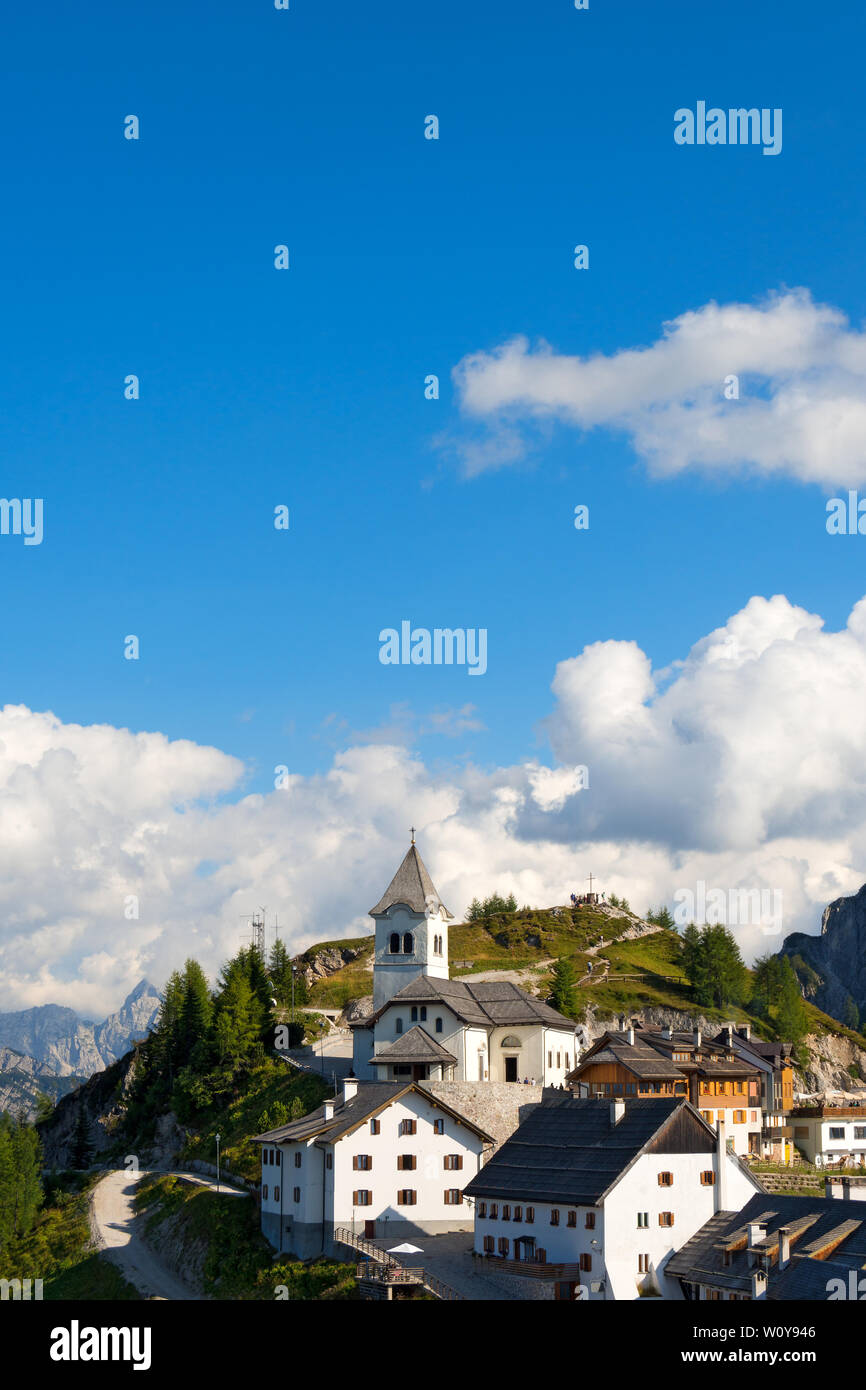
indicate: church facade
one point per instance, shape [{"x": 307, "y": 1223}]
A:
[{"x": 426, "y": 1026}]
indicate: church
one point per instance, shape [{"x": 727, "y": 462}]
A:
[{"x": 426, "y": 1026}]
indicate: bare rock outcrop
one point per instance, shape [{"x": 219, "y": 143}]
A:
[{"x": 835, "y": 961}]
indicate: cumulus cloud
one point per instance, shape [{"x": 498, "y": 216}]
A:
[
  {"x": 801, "y": 409},
  {"x": 740, "y": 767}
]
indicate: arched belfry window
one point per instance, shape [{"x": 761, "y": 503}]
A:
[
  {"x": 394, "y": 947},
  {"x": 408, "y": 944}
]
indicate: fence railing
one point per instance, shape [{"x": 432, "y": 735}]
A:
[{"x": 394, "y": 1268}]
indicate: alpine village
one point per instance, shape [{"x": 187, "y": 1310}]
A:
[{"x": 570, "y": 1103}]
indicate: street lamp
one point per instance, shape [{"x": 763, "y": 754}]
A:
[{"x": 218, "y": 1162}]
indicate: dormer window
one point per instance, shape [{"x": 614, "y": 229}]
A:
[{"x": 394, "y": 946}]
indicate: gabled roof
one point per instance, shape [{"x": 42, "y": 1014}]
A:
[
  {"x": 570, "y": 1152},
  {"x": 815, "y": 1223},
  {"x": 371, "y": 1097},
  {"x": 638, "y": 1057},
  {"x": 489, "y": 1004},
  {"x": 411, "y": 885},
  {"x": 414, "y": 1046}
]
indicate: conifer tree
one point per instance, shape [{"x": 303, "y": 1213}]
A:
[{"x": 82, "y": 1149}]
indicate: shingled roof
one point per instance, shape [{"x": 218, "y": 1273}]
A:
[
  {"x": 819, "y": 1226},
  {"x": 414, "y": 1046},
  {"x": 570, "y": 1152},
  {"x": 411, "y": 885},
  {"x": 489, "y": 1003},
  {"x": 370, "y": 1097}
]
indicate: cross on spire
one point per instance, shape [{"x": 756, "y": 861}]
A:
[{"x": 412, "y": 833}]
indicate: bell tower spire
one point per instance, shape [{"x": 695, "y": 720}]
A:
[{"x": 411, "y": 929}]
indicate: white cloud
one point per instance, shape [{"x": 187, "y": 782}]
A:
[
  {"x": 801, "y": 409},
  {"x": 743, "y": 768}
]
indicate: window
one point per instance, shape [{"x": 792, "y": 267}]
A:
[
  {"x": 837, "y": 1131},
  {"x": 362, "y": 1163},
  {"x": 265, "y": 1192},
  {"x": 558, "y": 1057},
  {"x": 438, "y": 1126},
  {"x": 276, "y": 1194},
  {"x": 414, "y": 1013},
  {"x": 554, "y": 1216},
  {"x": 753, "y": 1116},
  {"x": 494, "y": 1211},
  {"x": 566, "y": 1061},
  {"x": 550, "y": 1059},
  {"x": 666, "y": 1179},
  {"x": 329, "y": 1160},
  {"x": 408, "y": 1126},
  {"x": 590, "y": 1221},
  {"x": 423, "y": 1013},
  {"x": 296, "y": 1194},
  {"x": 860, "y": 1131},
  {"x": 453, "y": 1162},
  {"x": 406, "y": 1163},
  {"x": 398, "y": 1025},
  {"x": 506, "y": 1212},
  {"x": 362, "y": 1198},
  {"x": 643, "y": 1264},
  {"x": 518, "y": 1213},
  {"x": 438, "y": 1025},
  {"x": 530, "y": 1215},
  {"x": 482, "y": 1209},
  {"x": 375, "y": 1127},
  {"x": 666, "y": 1218},
  {"x": 408, "y": 945},
  {"x": 586, "y": 1262},
  {"x": 541, "y": 1256},
  {"x": 298, "y": 1159},
  {"x": 488, "y": 1245},
  {"x": 394, "y": 945},
  {"x": 571, "y": 1219},
  {"x": 407, "y": 1197},
  {"x": 643, "y": 1218},
  {"x": 453, "y": 1197},
  {"x": 739, "y": 1117},
  {"x": 503, "y": 1245},
  {"x": 708, "y": 1178}
]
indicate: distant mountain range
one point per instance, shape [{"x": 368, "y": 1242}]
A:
[{"x": 50, "y": 1049}]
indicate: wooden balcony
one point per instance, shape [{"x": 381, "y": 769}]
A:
[{"x": 530, "y": 1269}]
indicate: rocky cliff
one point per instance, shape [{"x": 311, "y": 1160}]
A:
[
  {"x": 23, "y": 1080},
  {"x": 835, "y": 961},
  {"x": 103, "y": 1099},
  {"x": 66, "y": 1045}
]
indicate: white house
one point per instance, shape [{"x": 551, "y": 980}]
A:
[
  {"x": 597, "y": 1195},
  {"x": 425, "y": 1026},
  {"x": 831, "y": 1133},
  {"x": 381, "y": 1159}
]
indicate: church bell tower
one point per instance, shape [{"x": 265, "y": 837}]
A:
[{"x": 411, "y": 930}]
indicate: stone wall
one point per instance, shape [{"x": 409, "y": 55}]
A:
[{"x": 495, "y": 1106}]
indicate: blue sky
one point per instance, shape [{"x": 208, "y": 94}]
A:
[
  {"x": 306, "y": 387},
  {"x": 724, "y": 733}
]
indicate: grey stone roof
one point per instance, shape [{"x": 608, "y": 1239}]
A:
[
  {"x": 811, "y": 1220},
  {"x": 414, "y": 1046},
  {"x": 489, "y": 1004},
  {"x": 370, "y": 1097},
  {"x": 411, "y": 885},
  {"x": 570, "y": 1152},
  {"x": 639, "y": 1058}
]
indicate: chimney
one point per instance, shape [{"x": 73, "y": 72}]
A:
[
  {"x": 728, "y": 1031},
  {"x": 784, "y": 1246},
  {"x": 746, "y": 1031},
  {"x": 622, "y": 1022},
  {"x": 630, "y": 1036},
  {"x": 721, "y": 1202},
  {"x": 617, "y": 1110},
  {"x": 350, "y": 1088},
  {"x": 697, "y": 1037},
  {"x": 667, "y": 1032},
  {"x": 328, "y": 1109},
  {"x": 759, "y": 1283},
  {"x": 757, "y": 1231}
]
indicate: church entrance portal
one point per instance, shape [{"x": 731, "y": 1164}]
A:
[{"x": 511, "y": 1068}]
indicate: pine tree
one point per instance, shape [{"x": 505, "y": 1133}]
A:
[
  {"x": 563, "y": 995},
  {"x": 82, "y": 1149},
  {"x": 767, "y": 978},
  {"x": 791, "y": 1018},
  {"x": 196, "y": 1010}
]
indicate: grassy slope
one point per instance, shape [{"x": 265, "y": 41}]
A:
[
  {"x": 524, "y": 939},
  {"x": 58, "y": 1251},
  {"x": 239, "y": 1263}
]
